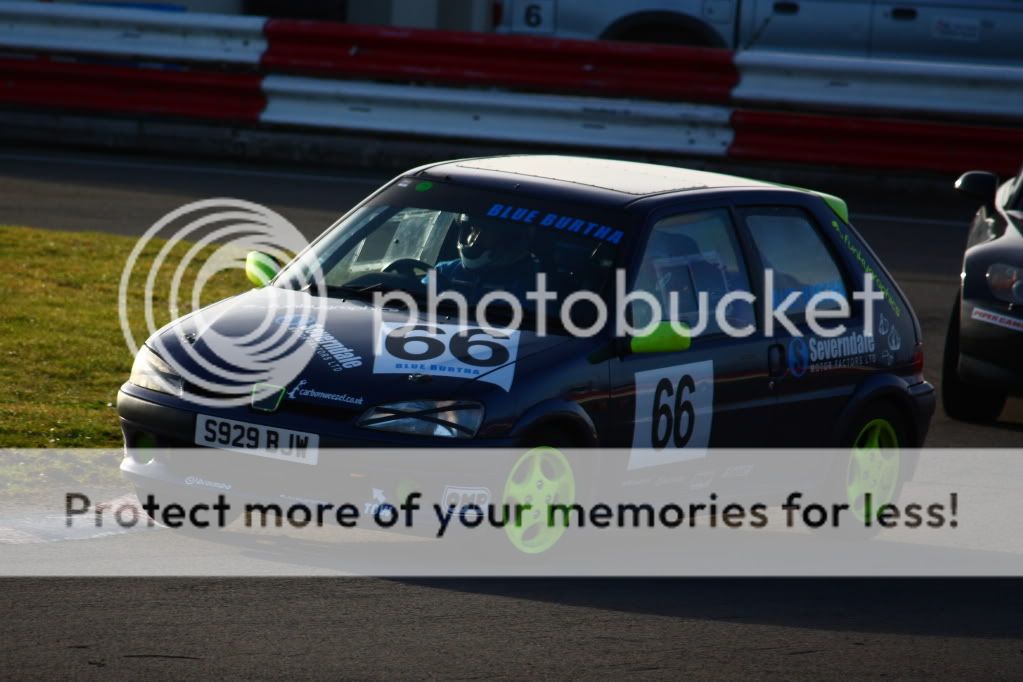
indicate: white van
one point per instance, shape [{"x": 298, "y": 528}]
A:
[{"x": 956, "y": 30}]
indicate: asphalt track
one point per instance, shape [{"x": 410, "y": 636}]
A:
[{"x": 369, "y": 628}]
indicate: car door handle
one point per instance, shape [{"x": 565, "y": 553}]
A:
[
  {"x": 904, "y": 14},
  {"x": 786, "y": 8}
]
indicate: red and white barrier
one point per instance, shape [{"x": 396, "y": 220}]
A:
[
  {"x": 568, "y": 67},
  {"x": 489, "y": 116},
  {"x": 42, "y": 82},
  {"x": 610, "y": 96},
  {"x": 874, "y": 142}
]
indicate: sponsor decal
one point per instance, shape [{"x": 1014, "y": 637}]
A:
[
  {"x": 461, "y": 496},
  {"x": 857, "y": 254},
  {"x": 674, "y": 411},
  {"x": 799, "y": 357},
  {"x": 816, "y": 354},
  {"x": 300, "y": 391},
  {"x": 447, "y": 350},
  {"x": 888, "y": 331},
  {"x": 267, "y": 397},
  {"x": 195, "y": 480},
  {"x": 379, "y": 507},
  {"x": 555, "y": 221},
  {"x": 997, "y": 319},
  {"x": 849, "y": 350},
  {"x": 337, "y": 355}
]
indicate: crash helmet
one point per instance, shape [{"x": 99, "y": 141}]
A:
[{"x": 485, "y": 243}]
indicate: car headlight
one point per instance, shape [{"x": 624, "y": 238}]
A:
[
  {"x": 1006, "y": 283},
  {"x": 444, "y": 418},
  {"x": 150, "y": 371}
]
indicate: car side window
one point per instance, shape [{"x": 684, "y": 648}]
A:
[
  {"x": 690, "y": 253},
  {"x": 790, "y": 245}
]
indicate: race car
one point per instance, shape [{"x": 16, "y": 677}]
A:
[
  {"x": 631, "y": 306},
  {"x": 983, "y": 360}
]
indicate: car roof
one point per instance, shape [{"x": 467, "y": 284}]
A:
[
  {"x": 623, "y": 177},
  {"x": 606, "y": 181}
]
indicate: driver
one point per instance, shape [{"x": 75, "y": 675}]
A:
[{"x": 492, "y": 255}]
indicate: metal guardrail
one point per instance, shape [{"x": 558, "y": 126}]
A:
[
  {"x": 124, "y": 32},
  {"x": 837, "y": 140},
  {"x": 537, "y": 64},
  {"x": 820, "y": 82},
  {"x": 497, "y": 116},
  {"x": 128, "y": 90}
]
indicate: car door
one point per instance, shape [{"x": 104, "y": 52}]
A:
[
  {"x": 949, "y": 30},
  {"x": 828, "y": 26},
  {"x": 812, "y": 376},
  {"x": 670, "y": 406}
]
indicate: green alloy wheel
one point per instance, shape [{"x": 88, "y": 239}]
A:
[
  {"x": 540, "y": 478},
  {"x": 874, "y": 467}
]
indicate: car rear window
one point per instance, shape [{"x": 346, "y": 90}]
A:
[{"x": 790, "y": 245}]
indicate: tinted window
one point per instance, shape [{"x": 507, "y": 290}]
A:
[
  {"x": 691, "y": 253},
  {"x": 475, "y": 241},
  {"x": 789, "y": 244}
]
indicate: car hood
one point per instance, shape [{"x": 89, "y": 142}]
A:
[{"x": 338, "y": 366}]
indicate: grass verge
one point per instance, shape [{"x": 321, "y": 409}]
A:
[{"x": 62, "y": 352}]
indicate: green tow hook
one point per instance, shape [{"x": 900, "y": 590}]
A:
[
  {"x": 874, "y": 468},
  {"x": 541, "y": 478}
]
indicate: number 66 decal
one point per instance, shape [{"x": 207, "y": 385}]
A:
[
  {"x": 446, "y": 350},
  {"x": 674, "y": 411}
]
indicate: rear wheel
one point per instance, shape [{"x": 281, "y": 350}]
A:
[
  {"x": 963, "y": 401},
  {"x": 871, "y": 476},
  {"x": 875, "y": 465}
]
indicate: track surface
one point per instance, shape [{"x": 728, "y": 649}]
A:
[{"x": 369, "y": 628}]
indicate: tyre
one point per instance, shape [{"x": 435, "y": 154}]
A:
[
  {"x": 963, "y": 401},
  {"x": 662, "y": 36},
  {"x": 664, "y": 28},
  {"x": 873, "y": 473},
  {"x": 540, "y": 478}
]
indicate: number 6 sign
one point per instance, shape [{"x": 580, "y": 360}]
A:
[
  {"x": 533, "y": 16},
  {"x": 447, "y": 350},
  {"x": 674, "y": 411}
]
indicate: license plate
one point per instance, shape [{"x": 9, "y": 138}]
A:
[{"x": 256, "y": 439}]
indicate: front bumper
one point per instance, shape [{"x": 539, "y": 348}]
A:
[
  {"x": 364, "y": 472},
  {"x": 991, "y": 347}
]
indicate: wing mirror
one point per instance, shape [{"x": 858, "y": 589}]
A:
[
  {"x": 663, "y": 338},
  {"x": 979, "y": 185},
  {"x": 260, "y": 268}
]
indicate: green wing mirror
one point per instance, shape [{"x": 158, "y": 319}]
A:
[
  {"x": 260, "y": 268},
  {"x": 663, "y": 338}
]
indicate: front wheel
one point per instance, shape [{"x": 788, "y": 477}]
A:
[
  {"x": 961, "y": 400},
  {"x": 542, "y": 483}
]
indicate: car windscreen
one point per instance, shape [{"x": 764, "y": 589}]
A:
[{"x": 472, "y": 241}]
